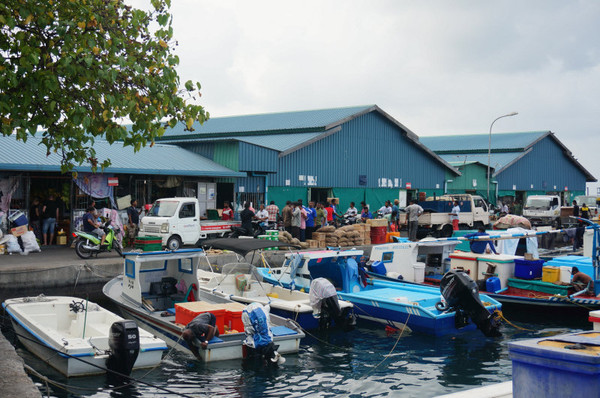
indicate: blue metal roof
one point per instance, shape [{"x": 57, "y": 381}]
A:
[
  {"x": 498, "y": 161},
  {"x": 277, "y": 142},
  {"x": 480, "y": 142},
  {"x": 160, "y": 159},
  {"x": 273, "y": 123}
]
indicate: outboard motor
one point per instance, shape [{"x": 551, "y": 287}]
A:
[
  {"x": 461, "y": 293},
  {"x": 124, "y": 343},
  {"x": 258, "y": 344},
  {"x": 324, "y": 301}
]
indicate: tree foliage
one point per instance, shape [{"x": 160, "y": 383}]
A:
[{"x": 70, "y": 70}]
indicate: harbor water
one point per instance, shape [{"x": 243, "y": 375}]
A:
[{"x": 367, "y": 362}]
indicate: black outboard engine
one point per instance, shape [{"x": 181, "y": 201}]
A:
[
  {"x": 124, "y": 343},
  {"x": 461, "y": 293},
  {"x": 323, "y": 298}
]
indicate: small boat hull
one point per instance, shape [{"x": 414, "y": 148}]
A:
[{"x": 69, "y": 354}]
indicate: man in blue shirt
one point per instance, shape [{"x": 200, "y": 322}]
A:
[
  {"x": 480, "y": 246},
  {"x": 91, "y": 226},
  {"x": 311, "y": 214}
]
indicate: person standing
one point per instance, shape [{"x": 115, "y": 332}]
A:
[
  {"x": 286, "y": 214},
  {"x": 49, "y": 218},
  {"x": 454, "y": 215},
  {"x": 35, "y": 218},
  {"x": 585, "y": 211},
  {"x": 395, "y": 210},
  {"x": 227, "y": 213},
  {"x": 505, "y": 209},
  {"x": 414, "y": 211},
  {"x": 273, "y": 211},
  {"x": 575, "y": 209},
  {"x": 133, "y": 216},
  {"x": 335, "y": 213},
  {"x": 321, "y": 219},
  {"x": 246, "y": 216},
  {"x": 311, "y": 215},
  {"x": 296, "y": 220},
  {"x": 303, "y": 216}
]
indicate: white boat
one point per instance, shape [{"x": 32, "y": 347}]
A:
[
  {"x": 71, "y": 335},
  {"x": 241, "y": 282},
  {"x": 145, "y": 292}
]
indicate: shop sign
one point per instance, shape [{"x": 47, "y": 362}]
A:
[
  {"x": 113, "y": 181},
  {"x": 408, "y": 185}
]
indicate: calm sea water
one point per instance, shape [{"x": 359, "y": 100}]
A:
[{"x": 335, "y": 364}]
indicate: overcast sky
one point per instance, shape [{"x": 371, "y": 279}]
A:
[{"x": 438, "y": 67}]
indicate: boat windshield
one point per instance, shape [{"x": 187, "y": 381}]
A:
[
  {"x": 164, "y": 208},
  {"x": 538, "y": 203}
]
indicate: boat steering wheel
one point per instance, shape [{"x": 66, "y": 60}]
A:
[{"x": 77, "y": 306}]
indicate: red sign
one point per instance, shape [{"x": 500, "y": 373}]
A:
[
  {"x": 408, "y": 185},
  {"x": 113, "y": 181},
  {"x": 566, "y": 188}
]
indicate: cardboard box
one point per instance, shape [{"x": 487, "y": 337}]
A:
[
  {"x": 377, "y": 222},
  {"x": 18, "y": 231},
  {"x": 312, "y": 243},
  {"x": 61, "y": 240}
]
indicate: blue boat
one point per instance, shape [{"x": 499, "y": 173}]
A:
[{"x": 391, "y": 303}]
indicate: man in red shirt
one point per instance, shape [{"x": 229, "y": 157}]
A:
[
  {"x": 329, "y": 211},
  {"x": 227, "y": 212}
]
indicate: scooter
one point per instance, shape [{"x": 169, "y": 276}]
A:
[
  {"x": 88, "y": 244},
  {"x": 257, "y": 230}
]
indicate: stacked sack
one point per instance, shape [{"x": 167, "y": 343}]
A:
[
  {"x": 286, "y": 237},
  {"x": 348, "y": 236},
  {"x": 330, "y": 238}
]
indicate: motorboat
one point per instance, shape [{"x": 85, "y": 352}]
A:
[
  {"x": 74, "y": 335},
  {"x": 159, "y": 290},
  {"x": 392, "y": 303},
  {"x": 241, "y": 282}
]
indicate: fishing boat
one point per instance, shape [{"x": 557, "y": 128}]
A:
[
  {"x": 507, "y": 278},
  {"x": 242, "y": 283},
  {"x": 74, "y": 336},
  {"x": 392, "y": 303},
  {"x": 160, "y": 291}
]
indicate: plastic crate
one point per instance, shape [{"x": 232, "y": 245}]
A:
[
  {"x": 528, "y": 269},
  {"x": 185, "y": 312},
  {"x": 148, "y": 243}
]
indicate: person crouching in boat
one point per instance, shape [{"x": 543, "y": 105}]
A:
[
  {"x": 582, "y": 281},
  {"x": 480, "y": 246},
  {"x": 203, "y": 328}
]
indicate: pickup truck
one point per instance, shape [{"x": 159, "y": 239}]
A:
[
  {"x": 177, "y": 221},
  {"x": 543, "y": 210},
  {"x": 435, "y": 219}
]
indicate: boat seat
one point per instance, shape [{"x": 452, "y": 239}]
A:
[{"x": 282, "y": 331}]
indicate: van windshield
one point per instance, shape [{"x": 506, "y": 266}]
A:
[
  {"x": 538, "y": 203},
  {"x": 163, "y": 208}
]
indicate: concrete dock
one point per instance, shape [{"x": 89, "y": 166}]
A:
[{"x": 14, "y": 381}]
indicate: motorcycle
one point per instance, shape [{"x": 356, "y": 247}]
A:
[
  {"x": 88, "y": 243},
  {"x": 257, "y": 230}
]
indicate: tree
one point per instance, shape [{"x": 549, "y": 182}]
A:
[{"x": 70, "y": 70}]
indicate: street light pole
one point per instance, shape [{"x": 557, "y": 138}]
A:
[{"x": 490, "y": 151}]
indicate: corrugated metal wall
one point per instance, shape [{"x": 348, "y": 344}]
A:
[
  {"x": 203, "y": 149},
  {"x": 545, "y": 167},
  {"x": 368, "y": 146},
  {"x": 256, "y": 158},
  {"x": 254, "y": 184},
  {"x": 471, "y": 172},
  {"x": 227, "y": 154}
]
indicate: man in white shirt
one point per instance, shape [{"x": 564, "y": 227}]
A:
[
  {"x": 262, "y": 215},
  {"x": 454, "y": 215}
]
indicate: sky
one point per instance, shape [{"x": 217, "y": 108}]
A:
[{"x": 438, "y": 67}]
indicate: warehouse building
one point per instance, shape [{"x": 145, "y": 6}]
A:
[
  {"x": 527, "y": 163},
  {"x": 27, "y": 172},
  {"x": 355, "y": 154}
]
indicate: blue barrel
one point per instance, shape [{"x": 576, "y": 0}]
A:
[
  {"x": 379, "y": 268},
  {"x": 492, "y": 285}
]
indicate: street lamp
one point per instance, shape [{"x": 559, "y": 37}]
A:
[{"x": 490, "y": 151}]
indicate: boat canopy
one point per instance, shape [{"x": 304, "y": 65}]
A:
[{"x": 243, "y": 246}]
